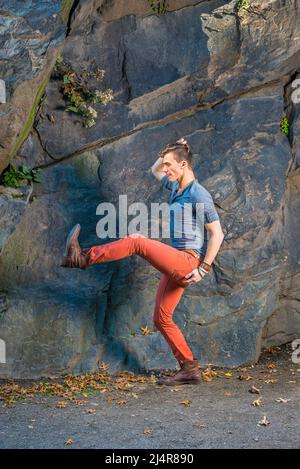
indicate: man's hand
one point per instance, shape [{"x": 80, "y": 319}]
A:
[{"x": 192, "y": 277}]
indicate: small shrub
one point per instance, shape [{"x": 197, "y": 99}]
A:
[
  {"x": 13, "y": 177},
  {"x": 285, "y": 125},
  {"x": 77, "y": 92}
]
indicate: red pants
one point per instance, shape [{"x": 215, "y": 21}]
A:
[{"x": 174, "y": 264}]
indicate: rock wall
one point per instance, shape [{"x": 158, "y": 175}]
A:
[{"x": 218, "y": 77}]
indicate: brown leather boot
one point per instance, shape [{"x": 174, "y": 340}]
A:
[
  {"x": 189, "y": 374},
  {"x": 74, "y": 256}
]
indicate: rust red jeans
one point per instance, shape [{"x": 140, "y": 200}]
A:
[{"x": 174, "y": 265}]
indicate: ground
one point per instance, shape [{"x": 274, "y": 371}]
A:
[{"x": 133, "y": 411}]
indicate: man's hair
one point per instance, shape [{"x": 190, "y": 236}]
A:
[{"x": 181, "y": 149}]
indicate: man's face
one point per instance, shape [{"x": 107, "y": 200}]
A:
[{"x": 173, "y": 169}]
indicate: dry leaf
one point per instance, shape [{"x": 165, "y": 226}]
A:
[
  {"x": 69, "y": 442},
  {"x": 90, "y": 411},
  {"x": 254, "y": 390},
  {"x": 281, "y": 399},
  {"x": 227, "y": 394},
  {"x": 61, "y": 404},
  {"x": 258, "y": 402},
  {"x": 78, "y": 402},
  {"x": 148, "y": 431},
  {"x": 264, "y": 421},
  {"x": 103, "y": 366},
  {"x": 199, "y": 425},
  {"x": 145, "y": 330},
  {"x": 186, "y": 402},
  {"x": 245, "y": 378},
  {"x": 208, "y": 374}
]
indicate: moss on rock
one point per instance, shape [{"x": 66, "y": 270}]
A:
[
  {"x": 29, "y": 122},
  {"x": 65, "y": 10}
]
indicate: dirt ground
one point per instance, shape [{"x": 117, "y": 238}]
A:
[{"x": 248, "y": 407}]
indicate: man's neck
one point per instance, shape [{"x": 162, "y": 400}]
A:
[{"x": 186, "y": 180}]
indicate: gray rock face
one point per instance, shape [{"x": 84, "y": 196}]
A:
[
  {"x": 219, "y": 79},
  {"x": 31, "y": 34},
  {"x": 13, "y": 204}
]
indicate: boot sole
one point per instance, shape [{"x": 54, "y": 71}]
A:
[
  {"x": 195, "y": 381},
  {"x": 76, "y": 229}
]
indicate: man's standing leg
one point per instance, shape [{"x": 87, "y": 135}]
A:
[{"x": 167, "y": 297}]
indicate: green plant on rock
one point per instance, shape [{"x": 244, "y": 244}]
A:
[
  {"x": 285, "y": 125},
  {"x": 242, "y": 5},
  {"x": 159, "y": 7},
  {"x": 76, "y": 91},
  {"x": 13, "y": 177}
]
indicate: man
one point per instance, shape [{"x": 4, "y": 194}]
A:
[{"x": 184, "y": 263}]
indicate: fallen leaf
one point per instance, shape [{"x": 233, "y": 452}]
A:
[
  {"x": 186, "y": 402},
  {"x": 69, "y": 442},
  {"x": 245, "y": 378},
  {"x": 103, "y": 366},
  {"x": 264, "y": 421},
  {"x": 257, "y": 402},
  {"x": 227, "y": 394},
  {"x": 61, "y": 404},
  {"x": 122, "y": 402},
  {"x": 90, "y": 411},
  {"x": 254, "y": 390},
  {"x": 208, "y": 374},
  {"x": 78, "y": 402},
  {"x": 153, "y": 379},
  {"x": 145, "y": 330},
  {"x": 199, "y": 425},
  {"x": 148, "y": 431},
  {"x": 281, "y": 399}
]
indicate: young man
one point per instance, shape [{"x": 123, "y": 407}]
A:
[{"x": 183, "y": 263}]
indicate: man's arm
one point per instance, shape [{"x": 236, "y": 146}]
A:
[
  {"x": 156, "y": 169},
  {"x": 216, "y": 237}
]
